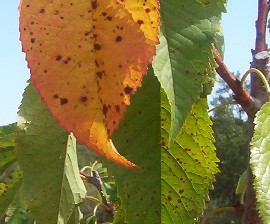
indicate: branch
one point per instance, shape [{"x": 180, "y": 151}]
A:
[
  {"x": 263, "y": 9},
  {"x": 260, "y": 54},
  {"x": 95, "y": 180},
  {"x": 241, "y": 96},
  {"x": 258, "y": 92}
]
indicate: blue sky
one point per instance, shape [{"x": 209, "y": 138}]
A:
[{"x": 239, "y": 31}]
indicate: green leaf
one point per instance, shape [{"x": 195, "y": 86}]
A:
[
  {"x": 75, "y": 217},
  {"x": 8, "y": 188},
  {"x": 184, "y": 57},
  {"x": 19, "y": 216},
  {"x": 7, "y": 143},
  {"x": 242, "y": 186},
  {"x": 178, "y": 191},
  {"x": 138, "y": 139},
  {"x": 188, "y": 167},
  {"x": 7, "y": 135},
  {"x": 119, "y": 216},
  {"x": 52, "y": 188},
  {"x": 91, "y": 220},
  {"x": 108, "y": 183},
  {"x": 7, "y": 158},
  {"x": 260, "y": 160}
]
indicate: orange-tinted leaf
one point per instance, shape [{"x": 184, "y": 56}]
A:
[
  {"x": 86, "y": 59},
  {"x": 146, "y": 17}
]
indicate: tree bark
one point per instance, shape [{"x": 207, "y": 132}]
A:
[
  {"x": 251, "y": 103},
  {"x": 258, "y": 93}
]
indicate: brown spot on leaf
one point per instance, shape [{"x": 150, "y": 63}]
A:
[
  {"x": 94, "y": 4},
  {"x": 105, "y": 109},
  {"x": 118, "y": 39},
  {"x": 169, "y": 197},
  {"x": 147, "y": 10},
  {"x": 117, "y": 108},
  {"x": 42, "y": 11},
  {"x": 128, "y": 90},
  {"x": 84, "y": 99},
  {"x": 63, "y": 101},
  {"x": 97, "y": 47},
  {"x": 67, "y": 60},
  {"x": 99, "y": 74},
  {"x": 58, "y": 58}
]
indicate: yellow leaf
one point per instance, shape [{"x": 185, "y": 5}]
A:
[
  {"x": 86, "y": 59},
  {"x": 146, "y": 17}
]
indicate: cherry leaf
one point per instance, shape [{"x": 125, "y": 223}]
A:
[{"x": 86, "y": 59}]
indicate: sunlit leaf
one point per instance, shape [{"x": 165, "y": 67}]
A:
[
  {"x": 7, "y": 135},
  {"x": 47, "y": 156},
  {"x": 86, "y": 59},
  {"x": 7, "y": 142},
  {"x": 260, "y": 160},
  {"x": 188, "y": 167},
  {"x": 184, "y": 57},
  {"x": 8, "y": 188}
]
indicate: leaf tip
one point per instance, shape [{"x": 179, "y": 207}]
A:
[{"x": 115, "y": 156}]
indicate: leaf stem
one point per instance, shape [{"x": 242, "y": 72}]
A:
[
  {"x": 91, "y": 198},
  {"x": 85, "y": 167},
  {"x": 222, "y": 105},
  {"x": 217, "y": 210},
  {"x": 261, "y": 75},
  {"x": 93, "y": 166},
  {"x": 95, "y": 179}
]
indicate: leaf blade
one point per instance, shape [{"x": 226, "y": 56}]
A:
[
  {"x": 47, "y": 156},
  {"x": 259, "y": 160},
  {"x": 139, "y": 136},
  {"x": 7, "y": 143},
  {"x": 103, "y": 86},
  {"x": 184, "y": 57},
  {"x": 188, "y": 167},
  {"x": 7, "y": 135},
  {"x": 8, "y": 188}
]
